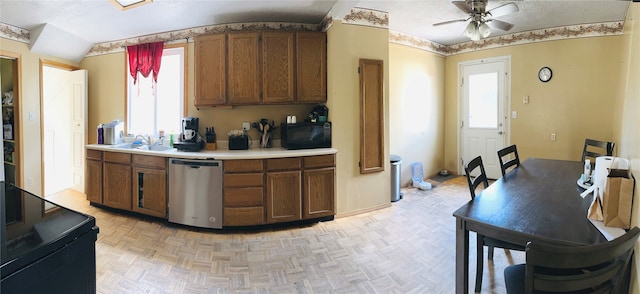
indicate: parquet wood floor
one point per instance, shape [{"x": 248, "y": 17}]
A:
[{"x": 406, "y": 248}]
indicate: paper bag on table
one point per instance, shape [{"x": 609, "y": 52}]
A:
[
  {"x": 595, "y": 209},
  {"x": 618, "y": 199}
]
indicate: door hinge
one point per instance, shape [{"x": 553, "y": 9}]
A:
[
  {"x": 358, "y": 70},
  {"x": 462, "y": 124}
]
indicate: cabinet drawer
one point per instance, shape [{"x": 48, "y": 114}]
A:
[
  {"x": 94, "y": 154},
  {"x": 117, "y": 157},
  {"x": 243, "y": 216},
  {"x": 150, "y": 161},
  {"x": 249, "y": 165},
  {"x": 243, "y": 197},
  {"x": 283, "y": 163},
  {"x": 320, "y": 161},
  {"x": 243, "y": 180}
]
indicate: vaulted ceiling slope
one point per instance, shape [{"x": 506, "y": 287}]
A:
[{"x": 99, "y": 21}]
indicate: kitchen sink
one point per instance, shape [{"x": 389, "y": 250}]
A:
[{"x": 142, "y": 147}]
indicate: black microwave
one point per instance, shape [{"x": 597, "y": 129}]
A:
[{"x": 305, "y": 135}]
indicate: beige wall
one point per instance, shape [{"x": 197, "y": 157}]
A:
[
  {"x": 577, "y": 103},
  {"x": 30, "y": 102},
  {"x": 627, "y": 124},
  {"x": 346, "y": 45},
  {"x": 416, "y": 109}
]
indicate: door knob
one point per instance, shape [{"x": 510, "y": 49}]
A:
[{"x": 500, "y": 133}]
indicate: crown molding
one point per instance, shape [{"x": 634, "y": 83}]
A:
[
  {"x": 184, "y": 35},
  {"x": 14, "y": 33},
  {"x": 367, "y": 17},
  {"x": 551, "y": 34}
]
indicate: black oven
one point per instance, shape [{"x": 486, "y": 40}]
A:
[{"x": 306, "y": 135}]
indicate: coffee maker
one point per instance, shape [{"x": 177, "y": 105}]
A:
[{"x": 191, "y": 140}]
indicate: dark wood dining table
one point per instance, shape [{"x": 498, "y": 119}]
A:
[{"x": 539, "y": 200}]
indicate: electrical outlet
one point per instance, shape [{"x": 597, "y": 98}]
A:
[
  {"x": 246, "y": 126},
  {"x": 30, "y": 182}
]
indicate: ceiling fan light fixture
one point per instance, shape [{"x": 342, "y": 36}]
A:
[
  {"x": 484, "y": 30},
  {"x": 471, "y": 30}
]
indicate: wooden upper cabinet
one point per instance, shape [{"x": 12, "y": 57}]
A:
[
  {"x": 210, "y": 70},
  {"x": 311, "y": 62},
  {"x": 277, "y": 67},
  {"x": 243, "y": 84}
]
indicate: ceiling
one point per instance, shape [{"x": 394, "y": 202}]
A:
[{"x": 98, "y": 21}]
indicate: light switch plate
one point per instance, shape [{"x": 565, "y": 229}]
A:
[{"x": 514, "y": 114}]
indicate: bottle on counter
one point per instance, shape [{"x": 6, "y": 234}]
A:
[{"x": 100, "y": 134}]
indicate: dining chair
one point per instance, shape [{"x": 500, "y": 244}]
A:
[
  {"x": 594, "y": 148},
  {"x": 508, "y": 157},
  {"x": 475, "y": 166},
  {"x": 601, "y": 268}
]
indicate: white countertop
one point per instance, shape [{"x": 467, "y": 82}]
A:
[{"x": 221, "y": 154}]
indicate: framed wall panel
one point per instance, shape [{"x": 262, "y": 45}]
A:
[{"x": 371, "y": 116}]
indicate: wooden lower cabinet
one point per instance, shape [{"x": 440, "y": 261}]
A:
[
  {"x": 283, "y": 196},
  {"x": 243, "y": 193},
  {"x": 117, "y": 185},
  {"x": 93, "y": 181},
  {"x": 319, "y": 193},
  {"x": 150, "y": 191}
]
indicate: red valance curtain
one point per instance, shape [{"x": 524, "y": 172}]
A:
[{"x": 145, "y": 58}]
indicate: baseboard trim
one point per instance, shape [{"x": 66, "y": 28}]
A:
[{"x": 365, "y": 210}]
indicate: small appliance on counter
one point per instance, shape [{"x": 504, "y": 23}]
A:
[
  {"x": 318, "y": 114},
  {"x": 238, "y": 140},
  {"x": 112, "y": 133},
  {"x": 305, "y": 135},
  {"x": 191, "y": 140}
]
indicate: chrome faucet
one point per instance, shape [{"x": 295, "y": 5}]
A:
[{"x": 148, "y": 139}]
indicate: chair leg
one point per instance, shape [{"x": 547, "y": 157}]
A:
[
  {"x": 490, "y": 253},
  {"x": 479, "y": 262}
]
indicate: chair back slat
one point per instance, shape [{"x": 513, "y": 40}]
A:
[
  {"x": 475, "y": 166},
  {"x": 594, "y": 148},
  {"x": 597, "y": 268},
  {"x": 508, "y": 157}
]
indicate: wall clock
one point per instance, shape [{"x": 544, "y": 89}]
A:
[{"x": 545, "y": 74}]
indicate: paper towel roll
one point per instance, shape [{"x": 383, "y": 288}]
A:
[{"x": 603, "y": 164}]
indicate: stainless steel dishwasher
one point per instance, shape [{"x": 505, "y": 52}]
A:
[{"x": 195, "y": 192}]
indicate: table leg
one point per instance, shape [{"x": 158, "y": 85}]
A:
[{"x": 462, "y": 257}]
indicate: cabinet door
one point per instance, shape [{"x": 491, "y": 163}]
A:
[
  {"x": 277, "y": 67},
  {"x": 244, "y": 72},
  {"x": 117, "y": 185},
  {"x": 284, "y": 196},
  {"x": 93, "y": 181},
  {"x": 311, "y": 56},
  {"x": 150, "y": 191},
  {"x": 210, "y": 70},
  {"x": 319, "y": 193}
]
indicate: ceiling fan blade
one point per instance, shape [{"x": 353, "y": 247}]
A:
[
  {"x": 504, "y": 9},
  {"x": 498, "y": 24},
  {"x": 449, "y": 21},
  {"x": 462, "y": 5}
]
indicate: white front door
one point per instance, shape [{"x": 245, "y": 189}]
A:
[{"x": 483, "y": 88}]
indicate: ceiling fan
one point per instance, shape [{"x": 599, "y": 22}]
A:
[{"x": 480, "y": 17}]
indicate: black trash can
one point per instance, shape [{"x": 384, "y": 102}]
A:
[{"x": 396, "y": 163}]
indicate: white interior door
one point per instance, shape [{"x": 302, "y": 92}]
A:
[
  {"x": 483, "y": 88},
  {"x": 64, "y": 109},
  {"x": 78, "y": 127}
]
